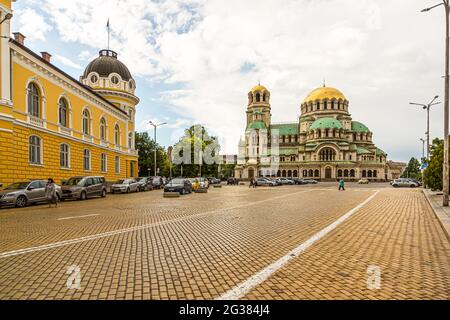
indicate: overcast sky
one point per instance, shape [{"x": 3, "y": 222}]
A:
[{"x": 195, "y": 61}]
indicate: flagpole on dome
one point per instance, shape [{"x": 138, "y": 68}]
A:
[{"x": 108, "y": 27}]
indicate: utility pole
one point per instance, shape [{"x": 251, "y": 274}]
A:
[{"x": 155, "y": 126}]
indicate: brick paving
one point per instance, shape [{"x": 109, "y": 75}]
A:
[{"x": 193, "y": 247}]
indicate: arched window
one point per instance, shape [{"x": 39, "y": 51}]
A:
[
  {"x": 117, "y": 135},
  {"x": 325, "y": 105},
  {"x": 352, "y": 173},
  {"x": 284, "y": 173},
  {"x": 311, "y": 173},
  {"x": 318, "y": 105},
  {"x": 278, "y": 173},
  {"x": 34, "y": 101},
  {"x": 35, "y": 150},
  {"x": 86, "y": 159},
  {"x": 63, "y": 112},
  {"x": 375, "y": 173},
  {"x": 64, "y": 155},
  {"x": 305, "y": 173},
  {"x": 369, "y": 174},
  {"x": 289, "y": 174},
  {"x": 264, "y": 97},
  {"x": 346, "y": 173},
  {"x": 332, "y": 104},
  {"x": 258, "y": 97},
  {"x": 317, "y": 173},
  {"x": 327, "y": 154},
  {"x": 86, "y": 122},
  {"x": 130, "y": 140},
  {"x": 364, "y": 173},
  {"x": 339, "y": 173},
  {"x": 103, "y": 129},
  {"x": 295, "y": 173}
]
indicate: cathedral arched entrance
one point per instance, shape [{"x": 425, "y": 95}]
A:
[
  {"x": 251, "y": 173},
  {"x": 328, "y": 173}
]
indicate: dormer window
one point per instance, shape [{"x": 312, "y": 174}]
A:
[
  {"x": 115, "y": 80},
  {"x": 94, "y": 79}
]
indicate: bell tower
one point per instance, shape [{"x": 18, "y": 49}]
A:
[{"x": 258, "y": 109}]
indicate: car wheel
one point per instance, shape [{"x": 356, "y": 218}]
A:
[
  {"x": 103, "y": 193},
  {"x": 83, "y": 196},
  {"x": 21, "y": 201},
  {"x": 182, "y": 192}
]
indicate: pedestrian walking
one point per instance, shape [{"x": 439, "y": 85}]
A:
[
  {"x": 341, "y": 185},
  {"x": 50, "y": 193}
]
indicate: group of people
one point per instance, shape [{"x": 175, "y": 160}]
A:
[
  {"x": 252, "y": 183},
  {"x": 341, "y": 184}
]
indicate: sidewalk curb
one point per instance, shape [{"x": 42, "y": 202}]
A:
[{"x": 440, "y": 214}]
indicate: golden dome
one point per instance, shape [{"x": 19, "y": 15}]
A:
[
  {"x": 259, "y": 87},
  {"x": 325, "y": 93}
]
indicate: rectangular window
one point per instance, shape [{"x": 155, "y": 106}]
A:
[
  {"x": 117, "y": 164},
  {"x": 64, "y": 158},
  {"x": 87, "y": 160},
  {"x": 35, "y": 150},
  {"x": 103, "y": 164}
]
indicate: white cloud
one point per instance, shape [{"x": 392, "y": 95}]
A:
[
  {"x": 67, "y": 62},
  {"x": 32, "y": 24},
  {"x": 381, "y": 55}
]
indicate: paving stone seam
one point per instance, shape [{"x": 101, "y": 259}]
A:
[{"x": 246, "y": 286}]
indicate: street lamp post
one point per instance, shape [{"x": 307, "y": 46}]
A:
[
  {"x": 154, "y": 125},
  {"x": 445, "y": 177},
  {"x": 423, "y": 147},
  {"x": 427, "y": 107}
]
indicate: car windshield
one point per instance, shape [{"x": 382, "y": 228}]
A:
[
  {"x": 140, "y": 179},
  {"x": 17, "y": 186},
  {"x": 176, "y": 181},
  {"x": 73, "y": 181},
  {"x": 120, "y": 181}
]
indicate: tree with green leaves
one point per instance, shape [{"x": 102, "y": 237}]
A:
[
  {"x": 433, "y": 174},
  {"x": 412, "y": 170},
  {"x": 146, "y": 147},
  {"x": 196, "y": 150}
]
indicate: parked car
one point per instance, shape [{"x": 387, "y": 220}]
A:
[
  {"x": 204, "y": 183},
  {"x": 195, "y": 183},
  {"x": 286, "y": 181},
  {"x": 232, "y": 181},
  {"x": 125, "y": 186},
  {"x": 363, "y": 181},
  {"x": 84, "y": 187},
  {"x": 404, "y": 182},
  {"x": 311, "y": 181},
  {"x": 419, "y": 184},
  {"x": 265, "y": 182},
  {"x": 180, "y": 185},
  {"x": 299, "y": 181},
  {"x": 157, "y": 182},
  {"x": 20, "y": 194},
  {"x": 213, "y": 180},
  {"x": 145, "y": 183}
]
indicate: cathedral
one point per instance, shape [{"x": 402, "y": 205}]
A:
[{"x": 324, "y": 144}]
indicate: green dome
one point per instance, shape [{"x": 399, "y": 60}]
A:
[
  {"x": 359, "y": 127},
  {"x": 326, "y": 123},
  {"x": 257, "y": 125}
]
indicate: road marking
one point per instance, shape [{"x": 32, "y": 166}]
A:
[
  {"x": 76, "y": 217},
  {"x": 131, "y": 229},
  {"x": 244, "y": 287}
]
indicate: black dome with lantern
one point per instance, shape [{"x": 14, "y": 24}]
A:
[{"x": 106, "y": 64}]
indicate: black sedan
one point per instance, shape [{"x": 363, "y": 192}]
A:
[{"x": 180, "y": 185}]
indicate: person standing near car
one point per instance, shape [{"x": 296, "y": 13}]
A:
[
  {"x": 50, "y": 193},
  {"x": 341, "y": 185}
]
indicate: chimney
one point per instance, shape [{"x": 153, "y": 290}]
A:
[
  {"x": 20, "y": 38},
  {"x": 46, "y": 56}
]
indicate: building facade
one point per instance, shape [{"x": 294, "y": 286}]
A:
[
  {"x": 324, "y": 144},
  {"x": 52, "y": 125}
]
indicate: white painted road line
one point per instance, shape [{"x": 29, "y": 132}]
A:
[
  {"x": 76, "y": 217},
  {"x": 131, "y": 229},
  {"x": 243, "y": 288}
]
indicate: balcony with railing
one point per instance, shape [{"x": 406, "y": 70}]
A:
[
  {"x": 88, "y": 138},
  {"x": 36, "y": 121},
  {"x": 64, "y": 130},
  {"x": 104, "y": 143}
]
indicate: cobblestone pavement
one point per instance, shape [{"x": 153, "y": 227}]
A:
[{"x": 199, "y": 246}]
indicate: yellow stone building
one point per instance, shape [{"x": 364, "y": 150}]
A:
[{"x": 52, "y": 125}]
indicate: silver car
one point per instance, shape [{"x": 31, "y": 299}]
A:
[
  {"x": 20, "y": 194},
  {"x": 404, "y": 182},
  {"x": 125, "y": 186}
]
